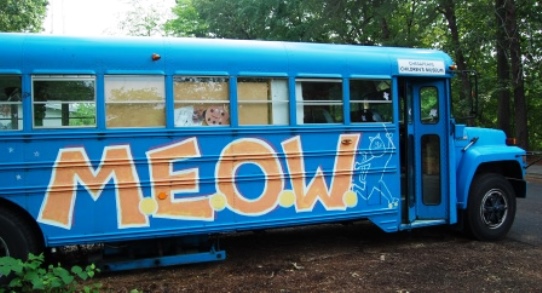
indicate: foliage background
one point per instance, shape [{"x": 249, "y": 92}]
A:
[
  {"x": 468, "y": 30},
  {"x": 22, "y": 15},
  {"x": 500, "y": 39}
]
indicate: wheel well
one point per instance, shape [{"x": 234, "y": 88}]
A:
[
  {"x": 511, "y": 170},
  {"x": 25, "y": 216}
]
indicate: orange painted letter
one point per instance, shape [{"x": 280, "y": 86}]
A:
[
  {"x": 72, "y": 167},
  {"x": 166, "y": 182},
  {"x": 317, "y": 189},
  {"x": 261, "y": 154}
]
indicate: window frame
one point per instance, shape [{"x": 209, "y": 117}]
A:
[
  {"x": 278, "y": 110},
  {"x": 369, "y": 116},
  {"x": 62, "y": 78},
  {"x": 200, "y": 116},
  {"x": 301, "y": 103},
  {"x": 158, "y": 103}
]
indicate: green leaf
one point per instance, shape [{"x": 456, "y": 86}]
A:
[
  {"x": 67, "y": 279},
  {"x": 56, "y": 283},
  {"x": 8, "y": 261},
  {"x": 76, "y": 270},
  {"x": 15, "y": 283},
  {"x": 5, "y": 271},
  {"x": 18, "y": 267},
  {"x": 7, "y": 265},
  {"x": 32, "y": 275},
  {"x": 33, "y": 264},
  {"x": 60, "y": 271},
  {"x": 37, "y": 284}
]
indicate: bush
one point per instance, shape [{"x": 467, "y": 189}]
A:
[{"x": 30, "y": 275}]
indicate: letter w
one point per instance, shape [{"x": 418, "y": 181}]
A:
[{"x": 317, "y": 190}]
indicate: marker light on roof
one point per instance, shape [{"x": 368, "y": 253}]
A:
[{"x": 155, "y": 57}]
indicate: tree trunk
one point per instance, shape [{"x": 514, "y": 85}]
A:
[
  {"x": 520, "y": 108},
  {"x": 503, "y": 69},
  {"x": 448, "y": 9}
]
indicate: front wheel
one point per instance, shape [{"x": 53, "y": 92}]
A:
[{"x": 491, "y": 207}]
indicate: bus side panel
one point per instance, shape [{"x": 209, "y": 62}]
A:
[
  {"x": 12, "y": 168},
  {"x": 125, "y": 188}
]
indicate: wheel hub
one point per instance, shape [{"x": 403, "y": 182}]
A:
[{"x": 494, "y": 208}]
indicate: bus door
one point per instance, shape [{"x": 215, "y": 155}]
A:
[{"x": 426, "y": 147}]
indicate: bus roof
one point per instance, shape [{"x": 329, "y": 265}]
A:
[{"x": 53, "y": 54}]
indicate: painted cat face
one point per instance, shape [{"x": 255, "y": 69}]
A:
[{"x": 376, "y": 146}]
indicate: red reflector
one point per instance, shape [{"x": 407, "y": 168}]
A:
[{"x": 511, "y": 141}]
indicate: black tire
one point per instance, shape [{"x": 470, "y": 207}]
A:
[
  {"x": 491, "y": 207},
  {"x": 17, "y": 237}
]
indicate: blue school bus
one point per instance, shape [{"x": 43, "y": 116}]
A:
[{"x": 129, "y": 141}]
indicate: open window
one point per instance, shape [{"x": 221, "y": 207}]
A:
[
  {"x": 429, "y": 105},
  {"x": 370, "y": 101},
  {"x": 319, "y": 101},
  {"x": 63, "y": 101},
  {"x": 11, "y": 110}
]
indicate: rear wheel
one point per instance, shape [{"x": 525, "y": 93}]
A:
[
  {"x": 491, "y": 208},
  {"x": 17, "y": 236}
]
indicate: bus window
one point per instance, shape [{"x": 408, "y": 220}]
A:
[
  {"x": 319, "y": 101},
  {"x": 431, "y": 183},
  {"x": 429, "y": 105},
  {"x": 370, "y": 101},
  {"x": 201, "y": 101},
  {"x": 262, "y": 101},
  {"x": 134, "y": 101},
  {"x": 11, "y": 110},
  {"x": 63, "y": 101}
]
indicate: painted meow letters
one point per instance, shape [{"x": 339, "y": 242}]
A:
[{"x": 284, "y": 183}]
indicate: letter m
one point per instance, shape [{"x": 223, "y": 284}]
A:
[{"x": 73, "y": 168}]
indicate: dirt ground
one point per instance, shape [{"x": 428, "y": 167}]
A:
[{"x": 348, "y": 258}]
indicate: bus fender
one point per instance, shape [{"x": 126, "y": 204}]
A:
[{"x": 473, "y": 158}]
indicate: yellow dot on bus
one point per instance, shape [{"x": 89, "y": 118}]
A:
[
  {"x": 218, "y": 202},
  {"x": 287, "y": 198},
  {"x": 350, "y": 199},
  {"x": 148, "y": 206}
]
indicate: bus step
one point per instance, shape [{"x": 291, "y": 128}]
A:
[
  {"x": 423, "y": 223},
  {"x": 163, "y": 261}
]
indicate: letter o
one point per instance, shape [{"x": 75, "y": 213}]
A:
[{"x": 261, "y": 154}]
